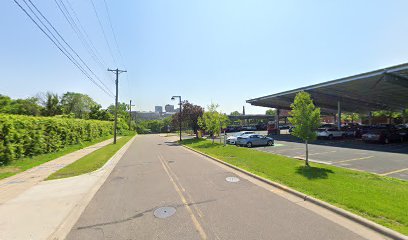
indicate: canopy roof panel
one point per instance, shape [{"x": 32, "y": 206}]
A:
[{"x": 383, "y": 89}]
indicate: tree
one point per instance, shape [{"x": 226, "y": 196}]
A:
[
  {"x": 271, "y": 112},
  {"x": 77, "y": 103},
  {"x": 51, "y": 104},
  {"x": 5, "y": 102},
  {"x": 388, "y": 114},
  {"x": 189, "y": 116},
  {"x": 305, "y": 117},
  {"x": 212, "y": 121},
  {"x": 235, "y": 113},
  {"x": 27, "y": 106},
  {"x": 350, "y": 117}
]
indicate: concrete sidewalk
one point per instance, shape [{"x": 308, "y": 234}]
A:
[
  {"x": 37, "y": 209},
  {"x": 12, "y": 186}
]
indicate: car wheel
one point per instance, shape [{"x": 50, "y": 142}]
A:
[
  {"x": 386, "y": 140},
  {"x": 330, "y": 137},
  {"x": 249, "y": 145},
  {"x": 269, "y": 143}
]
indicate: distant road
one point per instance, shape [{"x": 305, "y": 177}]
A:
[{"x": 156, "y": 173}]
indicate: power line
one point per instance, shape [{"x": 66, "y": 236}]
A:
[
  {"x": 89, "y": 39},
  {"x": 103, "y": 32},
  {"x": 57, "y": 43},
  {"x": 69, "y": 46},
  {"x": 113, "y": 32},
  {"x": 61, "y": 6}
]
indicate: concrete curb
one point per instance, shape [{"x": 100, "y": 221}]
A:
[
  {"x": 351, "y": 216},
  {"x": 66, "y": 225}
]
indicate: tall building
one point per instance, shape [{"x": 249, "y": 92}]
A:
[
  {"x": 169, "y": 108},
  {"x": 158, "y": 109}
]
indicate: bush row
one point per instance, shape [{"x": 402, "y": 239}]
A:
[{"x": 26, "y": 136}]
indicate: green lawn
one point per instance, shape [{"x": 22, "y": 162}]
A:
[
  {"x": 90, "y": 162},
  {"x": 381, "y": 199},
  {"x": 24, "y": 164}
]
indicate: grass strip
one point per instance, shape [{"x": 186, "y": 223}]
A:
[
  {"x": 90, "y": 162},
  {"x": 381, "y": 199},
  {"x": 23, "y": 164}
]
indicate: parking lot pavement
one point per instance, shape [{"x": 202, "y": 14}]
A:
[{"x": 387, "y": 160}]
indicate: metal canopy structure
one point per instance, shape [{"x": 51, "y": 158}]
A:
[
  {"x": 383, "y": 89},
  {"x": 251, "y": 116}
]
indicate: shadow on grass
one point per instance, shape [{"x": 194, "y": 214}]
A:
[{"x": 314, "y": 172}]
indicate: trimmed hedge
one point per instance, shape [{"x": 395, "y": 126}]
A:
[{"x": 26, "y": 136}]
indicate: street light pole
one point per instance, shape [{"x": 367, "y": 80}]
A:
[{"x": 179, "y": 97}]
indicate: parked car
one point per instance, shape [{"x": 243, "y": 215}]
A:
[
  {"x": 261, "y": 127},
  {"x": 249, "y": 128},
  {"x": 362, "y": 129},
  {"x": 232, "y": 139},
  {"x": 250, "y": 140},
  {"x": 349, "y": 131},
  {"x": 403, "y": 131},
  {"x": 330, "y": 133},
  {"x": 284, "y": 127},
  {"x": 383, "y": 133}
]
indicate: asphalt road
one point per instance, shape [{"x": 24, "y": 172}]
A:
[{"x": 156, "y": 173}]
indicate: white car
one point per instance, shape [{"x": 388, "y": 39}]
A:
[
  {"x": 232, "y": 139},
  {"x": 329, "y": 133}
]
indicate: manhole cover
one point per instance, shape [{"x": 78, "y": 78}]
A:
[
  {"x": 232, "y": 179},
  {"x": 164, "y": 212},
  {"x": 170, "y": 161}
]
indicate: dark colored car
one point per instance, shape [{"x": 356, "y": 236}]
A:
[
  {"x": 383, "y": 134},
  {"x": 251, "y": 140},
  {"x": 403, "y": 131}
]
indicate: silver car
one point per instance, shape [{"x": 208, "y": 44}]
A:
[
  {"x": 251, "y": 140},
  {"x": 232, "y": 139}
]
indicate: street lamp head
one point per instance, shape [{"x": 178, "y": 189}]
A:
[{"x": 172, "y": 98}]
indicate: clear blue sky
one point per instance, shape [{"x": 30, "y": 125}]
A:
[{"x": 207, "y": 51}]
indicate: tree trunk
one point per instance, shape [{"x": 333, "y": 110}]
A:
[{"x": 307, "y": 154}]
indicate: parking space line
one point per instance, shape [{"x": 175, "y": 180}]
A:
[
  {"x": 282, "y": 150},
  {"x": 354, "y": 159},
  {"x": 396, "y": 171},
  {"x": 312, "y": 154}
]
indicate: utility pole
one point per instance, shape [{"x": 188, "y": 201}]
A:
[
  {"x": 130, "y": 112},
  {"x": 117, "y": 72}
]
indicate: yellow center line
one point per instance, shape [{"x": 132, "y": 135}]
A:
[
  {"x": 196, "y": 223},
  {"x": 354, "y": 159},
  {"x": 396, "y": 171}
]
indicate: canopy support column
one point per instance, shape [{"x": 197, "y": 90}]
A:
[
  {"x": 370, "y": 118},
  {"x": 339, "y": 115},
  {"x": 277, "y": 121}
]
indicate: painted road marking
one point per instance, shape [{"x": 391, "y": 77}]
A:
[
  {"x": 312, "y": 154},
  {"x": 353, "y": 159},
  {"x": 282, "y": 150},
  {"x": 196, "y": 223},
  {"x": 396, "y": 171}
]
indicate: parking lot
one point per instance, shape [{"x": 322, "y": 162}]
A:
[{"x": 383, "y": 159}]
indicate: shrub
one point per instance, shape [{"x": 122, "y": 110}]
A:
[{"x": 26, "y": 136}]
